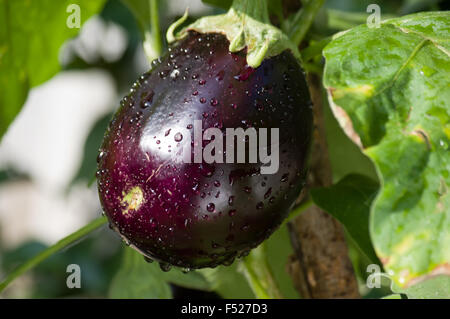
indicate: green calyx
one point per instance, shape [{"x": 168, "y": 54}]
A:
[{"x": 246, "y": 25}]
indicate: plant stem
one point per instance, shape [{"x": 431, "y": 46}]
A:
[
  {"x": 155, "y": 28},
  {"x": 298, "y": 210},
  {"x": 313, "y": 68},
  {"x": 321, "y": 267},
  {"x": 315, "y": 49},
  {"x": 303, "y": 20},
  {"x": 257, "y": 270},
  {"x": 152, "y": 32},
  {"x": 256, "y": 267},
  {"x": 63, "y": 243}
]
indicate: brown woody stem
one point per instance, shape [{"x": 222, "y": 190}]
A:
[{"x": 321, "y": 267}]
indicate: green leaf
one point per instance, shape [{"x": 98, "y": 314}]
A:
[
  {"x": 245, "y": 25},
  {"x": 192, "y": 279},
  {"x": 349, "y": 202},
  {"x": 228, "y": 282},
  {"x": 138, "y": 279},
  {"x": 141, "y": 12},
  {"x": 223, "y": 4},
  {"x": 86, "y": 171},
  {"x": 389, "y": 88},
  {"x": 434, "y": 288},
  {"x": 31, "y": 33},
  {"x": 393, "y": 296},
  {"x": 275, "y": 8},
  {"x": 345, "y": 157}
]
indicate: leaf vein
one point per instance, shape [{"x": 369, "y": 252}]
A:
[
  {"x": 434, "y": 41},
  {"x": 402, "y": 67}
]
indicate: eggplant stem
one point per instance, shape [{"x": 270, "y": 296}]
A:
[
  {"x": 63, "y": 243},
  {"x": 303, "y": 20}
]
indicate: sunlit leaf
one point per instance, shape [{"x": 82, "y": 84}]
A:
[
  {"x": 434, "y": 288},
  {"x": 137, "y": 278},
  {"x": 389, "y": 88},
  {"x": 393, "y": 296},
  {"x": 228, "y": 282},
  {"x": 31, "y": 34}
]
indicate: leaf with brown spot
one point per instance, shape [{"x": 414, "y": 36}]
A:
[{"x": 390, "y": 90}]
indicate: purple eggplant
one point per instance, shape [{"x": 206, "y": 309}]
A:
[{"x": 201, "y": 213}]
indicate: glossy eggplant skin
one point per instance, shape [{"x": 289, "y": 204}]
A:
[{"x": 198, "y": 215}]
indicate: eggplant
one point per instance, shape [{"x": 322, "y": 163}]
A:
[{"x": 166, "y": 185}]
